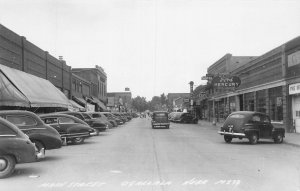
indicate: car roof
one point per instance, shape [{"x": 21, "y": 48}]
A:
[
  {"x": 248, "y": 112},
  {"x": 55, "y": 115},
  {"x": 10, "y": 125}
]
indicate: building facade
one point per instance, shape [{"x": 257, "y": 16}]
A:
[
  {"x": 85, "y": 86},
  {"x": 119, "y": 101},
  {"x": 178, "y": 101},
  {"x": 18, "y": 53},
  {"x": 269, "y": 84}
]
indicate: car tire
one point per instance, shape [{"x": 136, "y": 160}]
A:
[
  {"x": 253, "y": 138},
  {"x": 7, "y": 165},
  {"x": 78, "y": 140},
  {"x": 39, "y": 146},
  {"x": 227, "y": 139},
  {"x": 278, "y": 138}
]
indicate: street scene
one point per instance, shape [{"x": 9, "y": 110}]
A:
[
  {"x": 185, "y": 157},
  {"x": 149, "y": 95}
]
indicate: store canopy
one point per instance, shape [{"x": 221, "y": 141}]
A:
[
  {"x": 79, "y": 100},
  {"x": 99, "y": 103},
  {"x": 18, "y": 88},
  {"x": 76, "y": 106}
]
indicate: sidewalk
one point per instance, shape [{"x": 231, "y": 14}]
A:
[{"x": 290, "y": 138}]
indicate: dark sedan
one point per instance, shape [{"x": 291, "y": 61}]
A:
[
  {"x": 251, "y": 125},
  {"x": 69, "y": 127},
  {"x": 94, "y": 123},
  {"x": 183, "y": 117},
  {"x": 15, "y": 148},
  {"x": 44, "y": 136}
]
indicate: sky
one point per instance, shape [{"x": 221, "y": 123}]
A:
[{"x": 152, "y": 46}]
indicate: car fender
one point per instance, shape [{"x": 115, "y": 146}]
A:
[
  {"x": 278, "y": 130},
  {"x": 248, "y": 132}
]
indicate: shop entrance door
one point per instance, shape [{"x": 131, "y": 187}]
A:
[{"x": 296, "y": 112}]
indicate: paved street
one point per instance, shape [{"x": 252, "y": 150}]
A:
[{"x": 184, "y": 157}]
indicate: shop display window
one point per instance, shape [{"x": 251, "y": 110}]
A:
[{"x": 275, "y": 104}]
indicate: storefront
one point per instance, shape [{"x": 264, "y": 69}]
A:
[{"x": 294, "y": 93}]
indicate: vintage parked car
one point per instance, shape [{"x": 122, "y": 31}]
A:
[
  {"x": 160, "y": 119},
  {"x": 251, "y": 125},
  {"x": 69, "y": 127},
  {"x": 118, "y": 114},
  {"x": 101, "y": 116},
  {"x": 94, "y": 123},
  {"x": 15, "y": 148},
  {"x": 184, "y": 117},
  {"x": 113, "y": 117},
  {"x": 44, "y": 136}
]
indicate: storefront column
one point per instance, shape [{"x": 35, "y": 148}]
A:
[{"x": 214, "y": 113}]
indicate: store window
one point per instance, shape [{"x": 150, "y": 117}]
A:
[
  {"x": 232, "y": 107},
  {"x": 261, "y": 101},
  {"x": 249, "y": 101},
  {"x": 275, "y": 104}
]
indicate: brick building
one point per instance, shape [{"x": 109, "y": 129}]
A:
[
  {"x": 268, "y": 84},
  {"x": 85, "y": 86},
  {"x": 119, "y": 101}
]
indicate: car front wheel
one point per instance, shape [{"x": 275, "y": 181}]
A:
[
  {"x": 278, "y": 138},
  {"x": 253, "y": 138},
  {"x": 78, "y": 140},
  {"x": 227, "y": 139},
  {"x": 7, "y": 166}
]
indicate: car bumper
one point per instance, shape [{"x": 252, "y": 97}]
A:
[
  {"x": 160, "y": 124},
  {"x": 232, "y": 134}
]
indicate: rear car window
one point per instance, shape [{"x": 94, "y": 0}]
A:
[
  {"x": 50, "y": 120},
  {"x": 237, "y": 116},
  {"x": 161, "y": 115},
  {"x": 21, "y": 120},
  {"x": 65, "y": 120}
]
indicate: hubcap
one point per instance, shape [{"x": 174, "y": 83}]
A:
[{"x": 3, "y": 164}]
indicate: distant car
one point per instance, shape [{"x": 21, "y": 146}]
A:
[
  {"x": 44, "y": 136},
  {"x": 113, "y": 117},
  {"x": 94, "y": 123},
  {"x": 251, "y": 125},
  {"x": 69, "y": 127},
  {"x": 123, "y": 118},
  {"x": 183, "y": 117},
  {"x": 15, "y": 148},
  {"x": 160, "y": 119},
  {"x": 101, "y": 116}
]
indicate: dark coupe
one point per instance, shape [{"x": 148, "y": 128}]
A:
[
  {"x": 44, "y": 136},
  {"x": 15, "y": 147},
  {"x": 251, "y": 125},
  {"x": 69, "y": 127}
]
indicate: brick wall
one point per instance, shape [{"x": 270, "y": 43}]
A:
[{"x": 17, "y": 52}]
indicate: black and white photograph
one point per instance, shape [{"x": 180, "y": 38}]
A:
[{"x": 149, "y": 95}]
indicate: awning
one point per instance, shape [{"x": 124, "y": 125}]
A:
[
  {"x": 79, "y": 100},
  {"x": 22, "y": 89},
  {"x": 99, "y": 103},
  {"x": 76, "y": 106}
]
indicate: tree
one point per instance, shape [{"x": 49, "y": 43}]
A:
[{"x": 139, "y": 103}]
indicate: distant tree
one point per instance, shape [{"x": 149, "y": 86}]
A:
[
  {"x": 139, "y": 103},
  {"x": 163, "y": 99}
]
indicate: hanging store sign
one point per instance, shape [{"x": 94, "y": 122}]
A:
[
  {"x": 294, "y": 89},
  {"x": 226, "y": 81}
]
